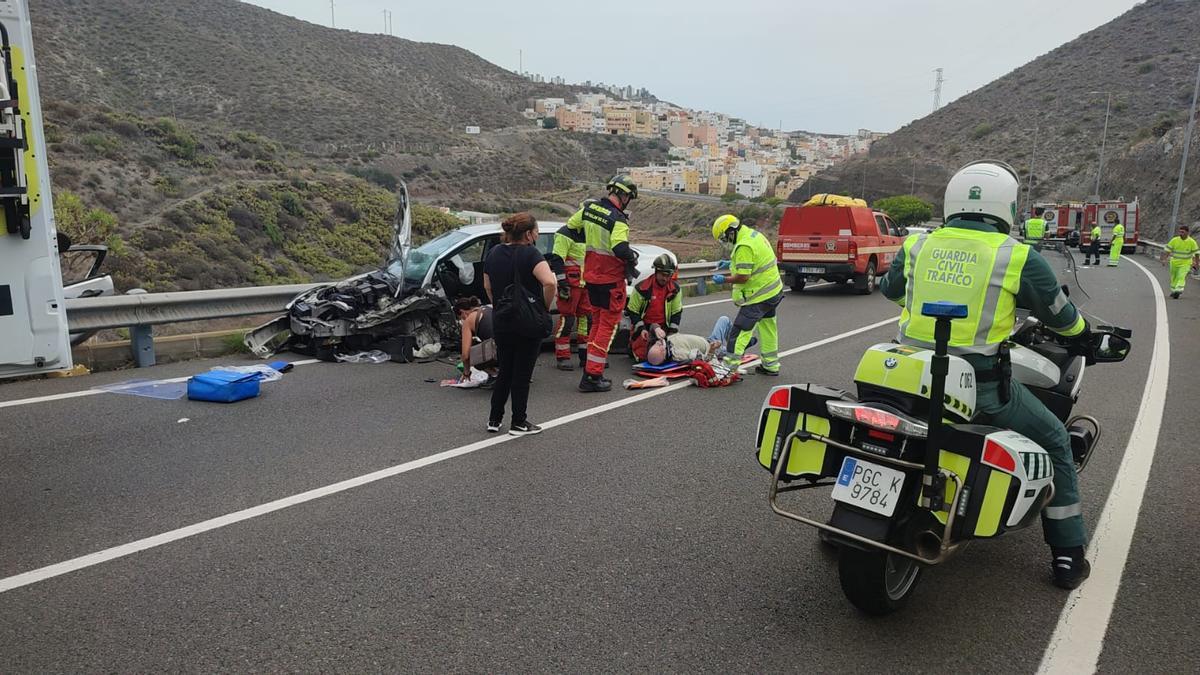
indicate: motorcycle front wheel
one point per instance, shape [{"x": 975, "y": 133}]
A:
[{"x": 877, "y": 582}]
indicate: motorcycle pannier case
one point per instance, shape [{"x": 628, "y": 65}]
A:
[
  {"x": 795, "y": 407},
  {"x": 1006, "y": 479}
]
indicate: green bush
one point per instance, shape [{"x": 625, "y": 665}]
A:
[
  {"x": 377, "y": 176},
  {"x": 905, "y": 210},
  {"x": 981, "y": 130},
  {"x": 101, "y": 144},
  {"x": 174, "y": 139},
  {"x": 1145, "y": 67}
]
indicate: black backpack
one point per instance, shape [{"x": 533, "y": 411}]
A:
[{"x": 520, "y": 312}]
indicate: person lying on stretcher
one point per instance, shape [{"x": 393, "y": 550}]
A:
[{"x": 661, "y": 348}]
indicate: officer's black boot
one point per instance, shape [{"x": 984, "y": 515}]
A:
[{"x": 1069, "y": 566}]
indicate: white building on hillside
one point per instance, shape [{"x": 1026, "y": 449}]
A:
[{"x": 749, "y": 179}]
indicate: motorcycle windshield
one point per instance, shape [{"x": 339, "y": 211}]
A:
[{"x": 1067, "y": 268}]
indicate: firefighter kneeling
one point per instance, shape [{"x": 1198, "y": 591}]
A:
[{"x": 608, "y": 263}]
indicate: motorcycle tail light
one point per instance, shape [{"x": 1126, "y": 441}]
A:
[
  {"x": 998, "y": 456},
  {"x": 880, "y": 420},
  {"x": 780, "y": 398}
]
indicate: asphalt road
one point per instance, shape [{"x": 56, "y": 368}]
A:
[{"x": 632, "y": 535}]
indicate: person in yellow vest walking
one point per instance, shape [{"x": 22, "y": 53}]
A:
[
  {"x": 1118, "y": 242},
  {"x": 1035, "y": 229},
  {"x": 757, "y": 291},
  {"x": 1184, "y": 254},
  {"x": 994, "y": 275},
  {"x": 1093, "y": 251}
]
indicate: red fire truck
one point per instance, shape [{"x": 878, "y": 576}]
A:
[{"x": 1071, "y": 220}]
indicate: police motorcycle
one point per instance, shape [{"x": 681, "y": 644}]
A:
[{"x": 912, "y": 484}]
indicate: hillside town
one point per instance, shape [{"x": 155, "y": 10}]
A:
[{"x": 711, "y": 153}]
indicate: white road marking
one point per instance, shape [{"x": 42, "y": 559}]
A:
[
  {"x": 1078, "y": 639},
  {"x": 92, "y": 559},
  {"x": 93, "y": 392}
]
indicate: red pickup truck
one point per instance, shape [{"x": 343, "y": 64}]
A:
[{"x": 836, "y": 243}]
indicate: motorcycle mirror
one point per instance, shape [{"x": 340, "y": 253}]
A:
[
  {"x": 1111, "y": 348},
  {"x": 1116, "y": 330}
]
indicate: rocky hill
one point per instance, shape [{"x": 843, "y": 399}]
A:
[
  {"x": 1146, "y": 57},
  {"x": 235, "y": 146},
  {"x": 235, "y": 64}
]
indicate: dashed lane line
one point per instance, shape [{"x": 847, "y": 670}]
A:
[{"x": 93, "y": 559}]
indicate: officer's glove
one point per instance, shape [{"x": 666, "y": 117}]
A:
[{"x": 564, "y": 290}]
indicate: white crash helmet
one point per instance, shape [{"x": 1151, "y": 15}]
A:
[{"x": 987, "y": 187}]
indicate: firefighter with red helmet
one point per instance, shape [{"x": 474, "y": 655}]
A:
[
  {"x": 603, "y": 228},
  {"x": 656, "y": 301}
]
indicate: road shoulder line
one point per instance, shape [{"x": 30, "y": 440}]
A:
[{"x": 1078, "y": 638}]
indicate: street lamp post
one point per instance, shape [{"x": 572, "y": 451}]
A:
[
  {"x": 1187, "y": 144},
  {"x": 1103, "y": 138},
  {"x": 1032, "y": 159}
]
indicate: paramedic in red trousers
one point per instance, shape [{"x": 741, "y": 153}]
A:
[
  {"x": 602, "y": 226},
  {"x": 574, "y": 310},
  {"x": 657, "y": 301}
]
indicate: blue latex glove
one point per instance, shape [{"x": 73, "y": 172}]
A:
[
  {"x": 718, "y": 279},
  {"x": 722, "y": 264}
]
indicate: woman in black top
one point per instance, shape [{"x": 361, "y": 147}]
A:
[
  {"x": 476, "y": 327},
  {"x": 519, "y": 258}
]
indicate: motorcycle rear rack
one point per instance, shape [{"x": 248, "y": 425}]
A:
[{"x": 947, "y": 548}]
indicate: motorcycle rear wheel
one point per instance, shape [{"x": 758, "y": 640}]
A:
[{"x": 877, "y": 582}]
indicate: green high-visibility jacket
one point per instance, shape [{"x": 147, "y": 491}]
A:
[
  {"x": 1035, "y": 228},
  {"x": 753, "y": 255},
  {"x": 970, "y": 263}
]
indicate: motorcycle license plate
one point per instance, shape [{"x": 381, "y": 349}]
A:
[
  {"x": 868, "y": 485},
  {"x": 812, "y": 270}
]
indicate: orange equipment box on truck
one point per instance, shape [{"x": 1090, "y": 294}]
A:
[{"x": 836, "y": 243}]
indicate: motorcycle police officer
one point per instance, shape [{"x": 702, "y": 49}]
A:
[{"x": 973, "y": 261}]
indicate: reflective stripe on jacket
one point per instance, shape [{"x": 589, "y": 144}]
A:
[
  {"x": 604, "y": 231},
  {"x": 971, "y": 264},
  {"x": 753, "y": 255}
]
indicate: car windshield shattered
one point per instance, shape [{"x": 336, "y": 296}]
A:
[
  {"x": 389, "y": 309},
  {"x": 421, "y": 258}
]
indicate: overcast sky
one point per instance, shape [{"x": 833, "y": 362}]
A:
[{"x": 833, "y": 66}]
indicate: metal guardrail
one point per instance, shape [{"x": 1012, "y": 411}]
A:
[{"x": 140, "y": 311}]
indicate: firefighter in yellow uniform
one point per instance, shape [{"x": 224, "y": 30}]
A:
[
  {"x": 1035, "y": 229},
  {"x": 1118, "y": 242},
  {"x": 757, "y": 292},
  {"x": 973, "y": 261},
  {"x": 1184, "y": 254}
]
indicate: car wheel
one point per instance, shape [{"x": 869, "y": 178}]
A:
[{"x": 865, "y": 283}]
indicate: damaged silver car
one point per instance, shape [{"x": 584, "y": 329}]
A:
[{"x": 393, "y": 309}]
